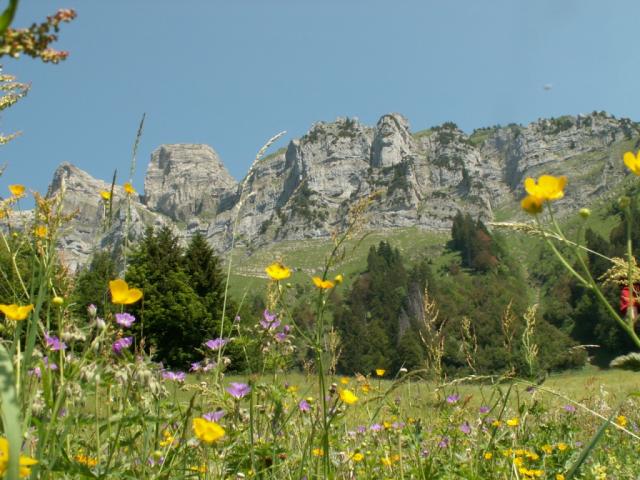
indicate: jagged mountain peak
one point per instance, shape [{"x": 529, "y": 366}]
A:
[{"x": 306, "y": 190}]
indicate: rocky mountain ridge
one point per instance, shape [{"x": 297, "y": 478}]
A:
[{"x": 307, "y": 189}]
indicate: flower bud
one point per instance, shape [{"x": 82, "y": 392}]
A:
[
  {"x": 624, "y": 202},
  {"x": 585, "y": 213},
  {"x": 92, "y": 310},
  {"x": 58, "y": 300}
]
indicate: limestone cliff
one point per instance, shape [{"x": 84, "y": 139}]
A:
[{"x": 306, "y": 190}]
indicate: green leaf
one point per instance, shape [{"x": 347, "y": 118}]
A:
[
  {"x": 7, "y": 16},
  {"x": 10, "y": 412}
]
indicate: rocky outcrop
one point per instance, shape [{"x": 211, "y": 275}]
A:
[
  {"x": 307, "y": 189},
  {"x": 186, "y": 181}
]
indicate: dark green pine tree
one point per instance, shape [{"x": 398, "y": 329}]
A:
[
  {"x": 172, "y": 319},
  {"x": 207, "y": 280},
  {"x": 92, "y": 285}
]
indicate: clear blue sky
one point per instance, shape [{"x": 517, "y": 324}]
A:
[{"x": 232, "y": 73}]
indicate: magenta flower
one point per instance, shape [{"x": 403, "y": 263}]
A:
[
  {"x": 214, "y": 416},
  {"x": 216, "y": 343},
  {"x": 304, "y": 406},
  {"x": 238, "y": 390},
  {"x": 569, "y": 408},
  {"x": 174, "y": 376},
  {"x": 125, "y": 319},
  {"x": 484, "y": 410},
  {"x": 444, "y": 442},
  {"x": 121, "y": 344},
  {"x": 465, "y": 428},
  {"x": 281, "y": 337},
  {"x": 196, "y": 367},
  {"x": 53, "y": 343},
  {"x": 376, "y": 427}
]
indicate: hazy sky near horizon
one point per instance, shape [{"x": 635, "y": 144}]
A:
[{"x": 233, "y": 73}]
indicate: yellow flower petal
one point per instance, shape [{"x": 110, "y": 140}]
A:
[
  {"x": 17, "y": 190},
  {"x": 206, "y": 431},
  {"x": 106, "y": 196},
  {"x": 277, "y": 271},
  {"x": 16, "y": 312},
  {"x": 41, "y": 231},
  {"x": 322, "y": 284},
  {"x": 121, "y": 294},
  {"x": 380, "y": 372},
  {"x": 128, "y": 188},
  {"x": 531, "y": 204},
  {"x": 548, "y": 187},
  {"x": 632, "y": 162},
  {"x": 339, "y": 279},
  {"x": 348, "y": 397}
]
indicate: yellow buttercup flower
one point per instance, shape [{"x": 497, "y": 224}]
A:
[
  {"x": 562, "y": 446},
  {"x": 621, "y": 420},
  {"x": 25, "y": 462},
  {"x": 322, "y": 284},
  {"x": 317, "y": 452},
  {"x": 548, "y": 187},
  {"x": 277, "y": 271},
  {"x": 106, "y": 196},
  {"x": 339, "y": 279},
  {"x": 357, "y": 457},
  {"x": 386, "y": 461},
  {"x": 17, "y": 190},
  {"x": 121, "y": 294},
  {"x": 348, "y": 397},
  {"x": 16, "y": 312},
  {"x": 513, "y": 422},
  {"x": 632, "y": 162},
  {"x": 128, "y": 188},
  {"x": 206, "y": 431},
  {"x": 41, "y": 231},
  {"x": 380, "y": 372},
  {"x": 488, "y": 455},
  {"x": 344, "y": 380},
  {"x": 559, "y": 476},
  {"x": 531, "y": 204}
]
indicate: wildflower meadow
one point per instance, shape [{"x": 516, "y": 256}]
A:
[{"x": 145, "y": 364}]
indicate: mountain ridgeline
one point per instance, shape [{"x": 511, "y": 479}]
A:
[{"x": 305, "y": 191}]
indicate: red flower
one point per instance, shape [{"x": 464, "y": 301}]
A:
[{"x": 625, "y": 300}]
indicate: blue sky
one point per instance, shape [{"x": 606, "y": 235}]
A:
[{"x": 233, "y": 73}]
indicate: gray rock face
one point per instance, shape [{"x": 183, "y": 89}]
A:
[
  {"x": 307, "y": 189},
  {"x": 185, "y": 181}
]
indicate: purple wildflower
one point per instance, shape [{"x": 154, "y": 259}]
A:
[
  {"x": 361, "y": 429},
  {"x": 398, "y": 425},
  {"x": 210, "y": 365},
  {"x": 376, "y": 427},
  {"x": 444, "y": 442},
  {"x": 484, "y": 409},
  {"x": 465, "y": 428},
  {"x": 125, "y": 319},
  {"x": 569, "y": 408},
  {"x": 237, "y": 319},
  {"x": 121, "y": 344},
  {"x": 281, "y": 337},
  {"x": 196, "y": 367},
  {"x": 304, "y": 406},
  {"x": 424, "y": 453},
  {"x": 451, "y": 399},
  {"x": 238, "y": 390},
  {"x": 53, "y": 343},
  {"x": 174, "y": 376},
  {"x": 216, "y": 343},
  {"x": 269, "y": 320},
  {"x": 214, "y": 416}
]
